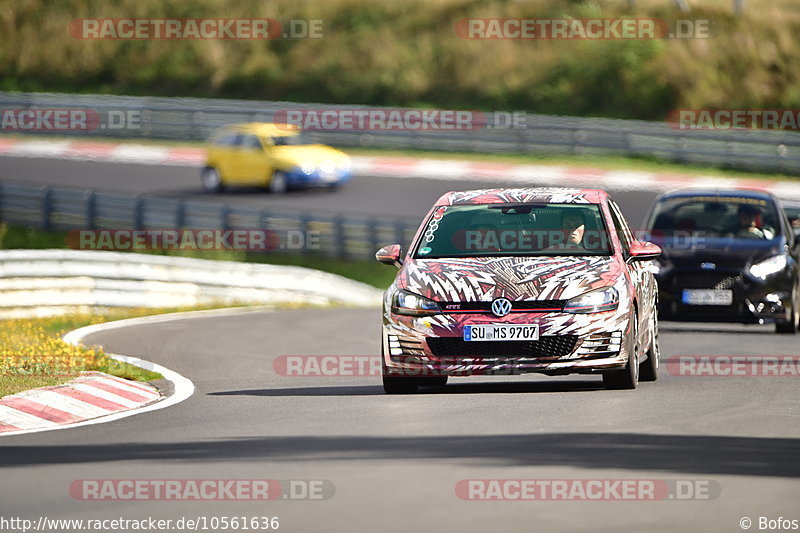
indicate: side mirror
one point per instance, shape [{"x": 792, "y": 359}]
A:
[
  {"x": 644, "y": 251},
  {"x": 390, "y": 255}
]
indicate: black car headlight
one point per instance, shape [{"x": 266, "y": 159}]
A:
[
  {"x": 768, "y": 267},
  {"x": 605, "y": 299},
  {"x": 408, "y": 303}
]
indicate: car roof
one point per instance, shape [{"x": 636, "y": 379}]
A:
[
  {"x": 265, "y": 129},
  {"x": 556, "y": 195},
  {"x": 721, "y": 193}
]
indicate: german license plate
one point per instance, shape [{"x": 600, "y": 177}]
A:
[
  {"x": 502, "y": 332},
  {"x": 707, "y": 297}
]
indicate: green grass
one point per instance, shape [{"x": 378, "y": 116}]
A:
[
  {"x": 33, "y": 354},
  {"x": 18, "y": 383}
]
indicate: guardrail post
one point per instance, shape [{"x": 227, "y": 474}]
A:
[
  {"x": 138, "y": 213},
  {"x": 47, "y": 207},
  {"x": 224, "y": 216},
  {"x": 91, "y": 209},
  {"x": 263, "y": 219},
  {"x": 305, "y": 228},
  {"x": 399, "y": 233},
  {"x": 372, "y": 229},
  {"x": 339, "y": 241},
  {"x": 180, "y": 214}
]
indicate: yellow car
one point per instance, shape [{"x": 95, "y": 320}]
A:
[{"x": 272, "y": 156}]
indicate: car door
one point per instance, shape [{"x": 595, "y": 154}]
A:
[
  {"x": 222, "y": 154},
  {"x": 252, "y": 162}
]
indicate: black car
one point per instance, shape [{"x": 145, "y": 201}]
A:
[
  {"x": 728, "y": 256},
  {"x": 792, "y": 210}
]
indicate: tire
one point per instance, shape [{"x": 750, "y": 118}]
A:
[
  {"x": 397, "y": 384},
  {"x": 212, "y": 183},
  {"x": 628, "y": 377},
  {"x": 433, "y": 381},
  {"x": 648, "y": 369},
  {"x": 400, "y": 384},
  {"x": 788, "y": 326},
  {"x": 278, "y": 183}
]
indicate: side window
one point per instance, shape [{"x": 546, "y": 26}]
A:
[
  {"x": 228, "y": 139},
  {"x": 251, "y": 142},
  {"x": 623, "y": 231}
]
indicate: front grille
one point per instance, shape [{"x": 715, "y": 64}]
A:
[
  {"x": 517, "y": 306},
  {"x": 546, "y": 346}
]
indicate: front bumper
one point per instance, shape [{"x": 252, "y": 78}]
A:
[
  {"x": 755, "y": 301},
  {"x": 317, "y": 178},
  {"x": 568, "y": 343}
]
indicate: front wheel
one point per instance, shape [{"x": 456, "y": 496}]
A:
[
  {"x": 648, "y": 369},
  {"x": 433, "y": 381},
  {"x": 279, "y": 183},
  {"x": 788, "y": 326},
  {"x": 628, "y": 377},
  {"x": 397, "y": 384},
  {"x": 211, "y": 181},
  {"x": 400, "y": 385}
]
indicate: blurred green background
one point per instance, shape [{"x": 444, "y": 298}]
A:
[{"x": 407, "y": 53}]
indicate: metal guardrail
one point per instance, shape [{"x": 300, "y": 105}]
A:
[
  {"x": 58, "y": 208},
  {"x": 50, "y": 281},
  {"x": 197, "y": 118}
]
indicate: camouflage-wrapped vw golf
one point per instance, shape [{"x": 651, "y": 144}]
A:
[{"x": 511, "y": 281}]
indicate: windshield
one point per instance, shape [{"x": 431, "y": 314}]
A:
[
  {"x": 715, "y": 217},
  {"x": 514, "y": 230}
]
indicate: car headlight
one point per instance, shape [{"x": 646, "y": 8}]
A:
[
  {"x": 345, "y": 164},
  {"x": 408, "y": 303},
  {"x": 606, "y": 299},
  {"x": 770, "y": 266},
  {"x": 307, "y": 168}
]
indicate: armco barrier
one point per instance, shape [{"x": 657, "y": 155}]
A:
[
  {"x": 49, "y": 281},
  {"x": 196, "y": 118},
  {"x": 59, "y": 208}
]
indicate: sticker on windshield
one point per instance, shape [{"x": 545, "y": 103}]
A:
[
  {"x": 425, "y": 251},
  {"x": 433, "y": 225}
]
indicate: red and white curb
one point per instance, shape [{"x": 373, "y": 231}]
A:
[
  {"x": 92, "y": 395},
  {"x": 407, "y": 167}
]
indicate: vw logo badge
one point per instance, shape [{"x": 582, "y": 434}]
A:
[{"x": 501, "y": 307}]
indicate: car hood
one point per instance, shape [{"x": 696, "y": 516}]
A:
[
  {"x": 515, "y": 278},
  {"x": 732, "y": 254},
  {"x": 309, "y": 154}
]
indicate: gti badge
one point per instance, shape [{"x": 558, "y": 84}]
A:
[
  {"x": 501, "y": 307},
  {"x": 708, "y": 266}
]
